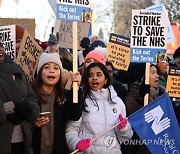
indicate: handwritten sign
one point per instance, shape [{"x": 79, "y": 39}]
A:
[
  {"x": 148, "y": 35},
  {"x": 7, "y": 37},
  {"x": 28, "y": 55},
  {"x": 173, "y": 82},
  {"x": 66, "y": 36},
  {"x": 119, "y": 51}
]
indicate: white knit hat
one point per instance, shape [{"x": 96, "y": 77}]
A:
[{"x": 48, "y": 58}]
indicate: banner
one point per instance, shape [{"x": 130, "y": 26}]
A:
[
  {"x": 28, "y": 55},
  {"x": 148, "y": 35},
  {"x": 8, "y": 38},
  {"x": 119, "y": 51},
  {"x": 157, "y": 126},
  {"x": 173, "y": 82}
]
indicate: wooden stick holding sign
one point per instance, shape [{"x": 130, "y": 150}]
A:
[
  {"x": 93, "y": 19},
  {"x": 75, "y": 62},
  {"x": 94, "y": 139},
  {"x": 146, "y": 82}
]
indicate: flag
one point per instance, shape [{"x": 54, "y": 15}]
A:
[{"x": 157, "y": 126}]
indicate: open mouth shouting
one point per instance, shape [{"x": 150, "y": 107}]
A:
[{"x": 51, "y": 77}]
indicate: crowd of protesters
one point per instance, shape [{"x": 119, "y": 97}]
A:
[{"x": 41, "y": 118}]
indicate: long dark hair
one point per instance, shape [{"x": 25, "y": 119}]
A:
[
  {"x": 85, "y": 85},
  {"x": 59, "y": 87}
]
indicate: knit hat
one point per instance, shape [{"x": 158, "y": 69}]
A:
[
  {"x": 48, "y": 58},
  {"x": 137, "y": 71},
  {"x": 103, "y": 50},
  {"x": 176, "y": 53},
  {"x": 97, "y": 43},
  {"x": 96, "y": 55},
  {"x": 19, "y": 32}
]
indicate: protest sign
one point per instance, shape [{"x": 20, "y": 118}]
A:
[
  {"x": 173, "y": 82},
  {"x": 119, "y": 51},
  {"x": 157, "y": 126},
  {"x": 53, "y": 5},
  {"x": 8, "y": 38},
  {"x": 73, "y": 11},
  {"x": 148, "y": 35},
  {"x": 28, "y": 24},
  {"x": 66, "y": 33},
  {"x": 161, "y": 7},
  {"x": 28, "y": 55}
]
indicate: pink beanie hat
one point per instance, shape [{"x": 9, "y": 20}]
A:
[{"x": 96, "y": 55}]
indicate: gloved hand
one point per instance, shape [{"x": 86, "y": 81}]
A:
[
  {"x": 123, "y": 123},
  {"x": 85, "y": 42},
  {"x": 83, "y": 144},
  {"x": 53, "y": 39},
  {"x": 144, "y": 89},
  {"x": 22, "y": 109}
]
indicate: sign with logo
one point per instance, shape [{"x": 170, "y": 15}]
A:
[
  {"x": 8, "y": 38},
  {"x": 119, "y": 51},
  {"x": 28, "y": 55},
  {"x": 157, "y": 126},
  {"x": 148, "y": 35},
  {"x": 73, "y": 10},
  {"x": 173, "y": 82}
]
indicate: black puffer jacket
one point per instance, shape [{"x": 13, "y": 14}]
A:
[{"x": 15, "y": 87}]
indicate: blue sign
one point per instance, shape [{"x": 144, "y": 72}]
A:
[
  {"x": 145, "y": 55},
  {"x": 157, "y": 126},
  {"x": 73, "y": 13}
]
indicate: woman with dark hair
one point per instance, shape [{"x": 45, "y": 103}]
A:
[
  {"x": 135, "y": 98},
  {"x": 102, "y": 109},
  {"x": 49, "y": 131}
]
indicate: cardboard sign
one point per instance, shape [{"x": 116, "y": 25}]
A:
[
  {"x": 148, "y": 35},
  {"x": 8, "y": 38},
  {"x": 28, "y": 55},
  {"x": 173, "y": 82},
  {"x": 66, "y": 34},
  {"x": 73, "y": 11},
  {"x": 28, "y": 24},
  {"x": 119, "y": 51}
]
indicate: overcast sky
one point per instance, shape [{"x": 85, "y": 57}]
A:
[{"x": 38, "y": 9}]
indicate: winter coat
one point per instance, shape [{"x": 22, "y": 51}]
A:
[
  {"x": 133, "y": 104},
  {"x": 15, "y": 87},
  {"x": 96, "y": 121},
  {"x": 62, "y": 113},
  {"x": 119, "y": 88}
]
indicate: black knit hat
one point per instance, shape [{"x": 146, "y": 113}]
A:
[
  {"x": 97, "y": 43},
  {"x": 137, "y": 71},
  {"x": 176, "y": 53}
]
